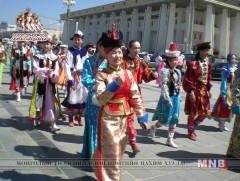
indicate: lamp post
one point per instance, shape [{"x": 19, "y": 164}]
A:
[{"x": 68, "y": 3}]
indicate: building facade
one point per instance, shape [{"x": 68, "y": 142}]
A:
[{"x": 156, "y": 23}]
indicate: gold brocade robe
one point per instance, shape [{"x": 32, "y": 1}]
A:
[{"x": 112, "y": 121}]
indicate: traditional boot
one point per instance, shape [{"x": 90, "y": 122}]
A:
[
  {"x": 222, "y": 126},
  {"x": 170, "y": 142},
  {"x": 36, "y": 122},
  {"x": 18, "y": 97},
  {"x": 70, "y": 120},
  {"x": 79, "y": 119},
  {"x": 54, "y": 128},
  {"x": 153, "y": 130},
  {"x": 191, "y": 135},
  {"x": 25, "y": 88},
  {"x": 195, "y": 133},
  {"x": 134, "y": 146}
]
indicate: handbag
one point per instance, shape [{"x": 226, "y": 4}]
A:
[
  {"x": 79, "y": 95},
  {"x": 95, "y": 100}
]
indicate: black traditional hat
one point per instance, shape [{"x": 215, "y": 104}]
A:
[
  {"x": 203, "y": 45},
  {"x": 112, "y": 39}
]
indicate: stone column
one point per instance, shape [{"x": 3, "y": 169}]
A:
[
  {"x": 188, "y": 36},
  {"x": 102, "y": 24},
  {"x": 186, "y": 32},
  {"x": 93, "y": 36},
  {"x": 179, "y": 34},
  {"x": 112, "y": 19},
  {"x": 162, "y": 29},
  {"x": 123, "y": 24},
  {"x": 146, "y": 29},
  {"x": 134, "y": 25},
  {"x": 81, "y": 24},
  {"x": 236, "y": 38},
  {"x": 86, "y": 29},
  {"x": 209, "y": 26},
  {"x": 171, "y": 24},
  {"x": 72, "y": 27},
  {"x": 64, "y": 34},
  {"x": 224, "y": 34}
]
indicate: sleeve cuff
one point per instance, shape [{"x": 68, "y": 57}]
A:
[
  {"x": 143, "y": 118},
  {"x": 70, "y": 83},
  {"x": 113, "y": 86},
  {"x": 167, "y": 101}
]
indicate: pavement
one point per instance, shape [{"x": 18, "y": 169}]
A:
[{"x": 27, "y": 153}]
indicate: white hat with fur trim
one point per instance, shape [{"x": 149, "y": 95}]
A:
[
  {"x": 77, "y": 34},
  {"x": 63, "y": 46},
  {"x": 172, "y": 52}
]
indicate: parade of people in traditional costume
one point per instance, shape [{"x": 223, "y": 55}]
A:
[
  {"x": 45, "y": 103},
  {"x": 222, "y": 112},
  {"x": 91, "y": 67},
  {"x": 117, "y": 93},
  {"x": 20, "y": 68},
  {"x": 168, "y": 107},
  {"x": 76, "y": 92},
  {"x": 103, "y": 89},
  {"x": 197, "y": 85},
  {"x": 141, "y": 72}
]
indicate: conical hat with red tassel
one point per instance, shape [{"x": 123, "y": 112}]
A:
[{"x": 172, "y": 52}]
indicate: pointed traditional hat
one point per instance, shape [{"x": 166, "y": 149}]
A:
[
  {"x": 172, "y": 52},
  {"x": 112, "y": 39}
]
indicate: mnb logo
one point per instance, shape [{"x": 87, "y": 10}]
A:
[{"x": 212, "y": 163}]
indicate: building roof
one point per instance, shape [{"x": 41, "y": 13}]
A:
[{"x": 129, "y": 5}]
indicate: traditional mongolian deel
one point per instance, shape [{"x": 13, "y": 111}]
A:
[
  {"x": 73, "y": 66},
  {"x": 20, "y": 68},
  {"x": 196, "y": 84},
  {"x": 91, "y": 67},
  {"x": 222, "y": 112},
  {"x": 45, "y": 103}
]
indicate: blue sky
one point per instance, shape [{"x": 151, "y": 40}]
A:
[{"x": 48, "y": 10}]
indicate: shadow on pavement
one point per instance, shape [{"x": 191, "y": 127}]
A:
[
  {"x": 180, "y": 154},
  {"x": 68, "y": 138},
  {"x": 7, "y": 97},
  {"x": 144, "y": 136},
  {"x": 206, "y": 128},
  {"x": 19, "y": 123},
  {"x": 48, "y": 152},
  {"x": 16, "y": 176}
]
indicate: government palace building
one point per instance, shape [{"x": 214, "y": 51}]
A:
[{"x": 156, "y": 23}]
